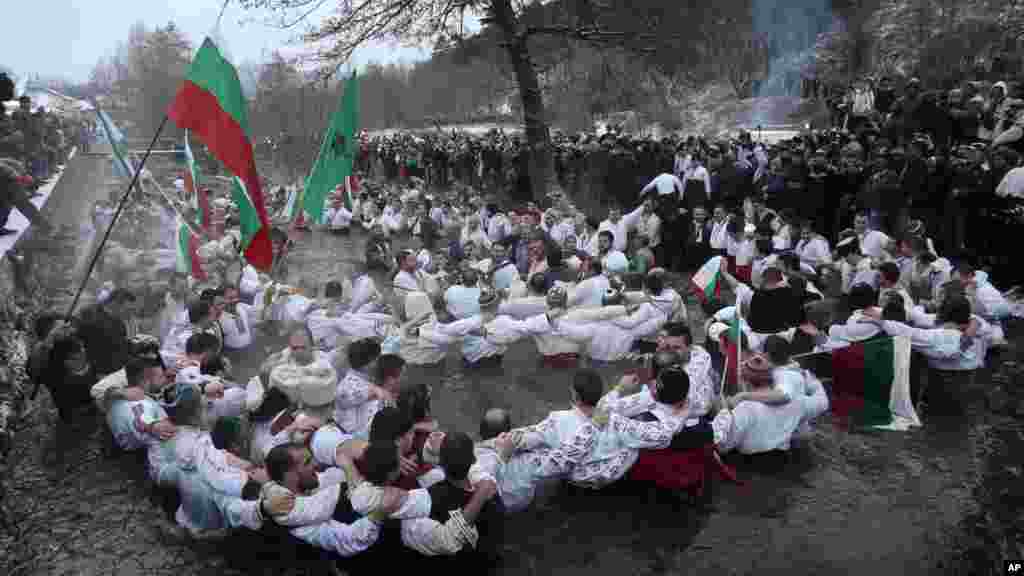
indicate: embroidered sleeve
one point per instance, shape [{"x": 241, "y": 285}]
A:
[
  {"x": 561, "y": 461},
  {"x": 141, "y": 419},
  {"x": 727, "y": 434},
  {"x": 309, "y": 510},
  {"x": 352, "y": 392},
  {"x": 537, "y": 435},
  {"x": 343, "y": 539},
  {"x": 431, "y": 538},
  {"x": 577, "y": 332},
  {"x": 366, "y": 497},
  {"x": 701, "y": 383},
  {"x": 642, "y": 314},
  {"x": 628, "y": 406},
  {"x": 933, "y": 343},
  {"x": 637, "y": 434},
  {"x": 239, "y": 513}
]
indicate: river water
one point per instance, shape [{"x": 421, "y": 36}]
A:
[{"x": 945, "y": 499}]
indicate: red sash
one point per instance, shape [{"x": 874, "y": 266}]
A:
[
  {"x": 564, "y": 361},
  {"x": 675, "y": 470},
  {"x": 742, "y": 273}
]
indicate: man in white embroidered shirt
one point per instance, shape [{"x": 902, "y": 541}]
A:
[
  {"x": 237, "y": 320},
  {"x": 752, "y": 426},
  {"x": 291, "y": 467},
  {"x": 358, "y": 399},
  {"x": 621, "y": 438}
]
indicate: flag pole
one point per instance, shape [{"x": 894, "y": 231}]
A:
[
  {"x": 740, "y": 386},
  {"x": 117, "y": 213}
]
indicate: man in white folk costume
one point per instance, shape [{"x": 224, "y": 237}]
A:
[
  {"x": 218, "y": 490},
  {"x": 358, "y": 397},
  {"x": 788, "y": 401},
  {"x": 288, "y": 369},
  {"x": 333, "y": 323}
]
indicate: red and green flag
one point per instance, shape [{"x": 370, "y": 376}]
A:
[
  {"x": 188, "y": 241},
  {"x": 211, "y": 104},
  {"x": 870, "y": 382},
  {"x": 707, "y": 281},
  {"x": 337, "y": 153},
  {"x": 730, "y": 343}
]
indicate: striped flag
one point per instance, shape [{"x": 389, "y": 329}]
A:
[
  {"x": 188, "y": 252},
  {"x": 198, "y": 198},
  {"x": 123, "y": 165},
  {"x": 191, "y": 172},
  {"x": 188, "y": 242},
  {"x": 870, "y": 382},
  {"x": 730, "y": 343},
  {"x": 293, "y": 206},
  {"x": 351, "y": 191},
  {"x": 210, "y": 102},
  {"x": 707, "y": 281}
]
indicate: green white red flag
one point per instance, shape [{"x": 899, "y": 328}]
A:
[
  {"x": 210, "y": 103},
  {"x": 871, "y": 384},
  {"x": 198, "y": 202},
  {"x": 707, "y": 281}
]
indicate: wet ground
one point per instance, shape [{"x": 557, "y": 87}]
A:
[{"x": 945, "y": 499}]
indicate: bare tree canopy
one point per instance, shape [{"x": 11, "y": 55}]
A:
[{"x": 511, "y": 23}]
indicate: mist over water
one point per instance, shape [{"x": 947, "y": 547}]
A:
[{"x": 791, "y": 28}]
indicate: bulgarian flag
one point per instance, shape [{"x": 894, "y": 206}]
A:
[
  {"x": 707, "y": 281},
  {"x": 871, "y": 384},
  {"x": 188, "y": 242},
  {"x": 729, "y": 342},
  {"x": 211, "y": 104},
  {"x": 197, "y": 197}
]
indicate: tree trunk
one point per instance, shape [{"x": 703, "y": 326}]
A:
[{"x": 538, "y": 137}]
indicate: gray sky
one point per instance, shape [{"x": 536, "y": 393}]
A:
[{"x": 65, "y": 38}]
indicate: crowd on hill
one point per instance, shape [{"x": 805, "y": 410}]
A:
[{"x": 944, "y": 159}]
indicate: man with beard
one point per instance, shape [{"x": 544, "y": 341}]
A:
[{"x": 292, "y": 469}]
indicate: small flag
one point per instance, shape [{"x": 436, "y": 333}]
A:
[
  {"x": 188, "y": 243},
  {"x": 707, "y": 281},
  {"x": 188, "y": 252},
  {"x": 191, "y": 172},
  {"x": 122, "y": 164}
]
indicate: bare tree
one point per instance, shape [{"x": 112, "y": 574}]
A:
[{"x": 516, "y": 22}]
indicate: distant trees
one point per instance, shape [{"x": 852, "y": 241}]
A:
[
  {"x": 940, "y": 41},
  {"x": 143, "y": 75}
]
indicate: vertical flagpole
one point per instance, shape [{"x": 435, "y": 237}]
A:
[
  {"x": 113, "y": 221},
  {"x": 740, "y": 387}
]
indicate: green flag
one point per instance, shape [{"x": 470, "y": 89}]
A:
[{"x": 337, "y": 152}]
